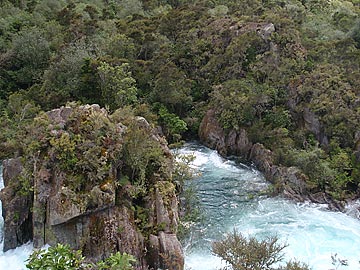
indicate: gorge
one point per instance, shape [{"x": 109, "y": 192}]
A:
[
  {"x": 274, "y": 83},
  {"x": 230, "y": 196}
]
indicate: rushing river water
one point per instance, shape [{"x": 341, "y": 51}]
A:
[{"x": 230, "y": 196}]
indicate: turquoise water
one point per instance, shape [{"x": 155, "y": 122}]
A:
[
  {"x": 230, "y": 195},
  {"x": 230, "y": 198}
]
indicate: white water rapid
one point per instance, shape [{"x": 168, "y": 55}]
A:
[{"x": 230, "y": 196}]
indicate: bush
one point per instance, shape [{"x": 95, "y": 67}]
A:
[
  {"x": 117, "y": 261},
  {"x": 241, "y": 253},
  {"x": 59, "y": 257},
  {"x": 62, "y": 257}
]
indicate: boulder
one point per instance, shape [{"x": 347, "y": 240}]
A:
[
  {"x": 212, "y": 134},
  {"x": 171, "y": 252}
]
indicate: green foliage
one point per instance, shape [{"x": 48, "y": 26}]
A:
[
  {"x": 118, "y": 88},
  {"x": 172, "y": 124},
  {"x": 182, "y": 171},
  {"x": 331, "y": 174},
  {"x": 121, "y": 46},
  {"x": 117, "y": 261},
  {"x": 258, "y": 63},
  {"x": 18, "y": 113},
  {"x": 143, "y": 156},
  {"x": 84, "y": 149},
  {"x": 172, "y": 88},
  {"x": 25, "y": 184},
  {"x": 64, "y": 150},
  {"x": 190, "y": 207},
  {"x": 62, "y": 257},
  {"x": 241, "y": 253},
  {"x": 219, "y": 11},
  {"x": 62, "y": 80},
  {"x": 59, "y": 257},
  {"x": 240, "y": 102},
  {"x": 31, "y": 56}
]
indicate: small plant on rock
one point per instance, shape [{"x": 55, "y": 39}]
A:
[{"x": 59, "y": 257}]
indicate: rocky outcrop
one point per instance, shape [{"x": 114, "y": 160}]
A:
[
  {"x": 290, "y": 181},
  {"x": 312, "y": 123},
  {"x": 305, "y": 118},
  {"x": 93, "y": 208},
  {"x": 213, "y": 135}
]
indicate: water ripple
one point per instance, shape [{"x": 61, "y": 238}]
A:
[{"x": 228, "y": 192}]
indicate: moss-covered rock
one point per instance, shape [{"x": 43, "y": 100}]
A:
[{"x": 91, "y": 176}]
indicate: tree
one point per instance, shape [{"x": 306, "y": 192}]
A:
[
  {"x": 173, "y": 88},
  {"x": 142, "y": 155},
  {"x": 172, "y": 124},
  {"x": 62, "y": 80},
  {"x": 249, "y": 254},
  {"x": 118, "y": 87}
]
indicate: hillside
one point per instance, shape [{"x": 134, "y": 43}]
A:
[{"x": 286, "y": 71}]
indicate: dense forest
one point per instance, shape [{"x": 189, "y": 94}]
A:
[{"x": 288, "y": 71}]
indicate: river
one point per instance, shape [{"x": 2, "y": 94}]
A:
[{"x": 230, "y": 197}]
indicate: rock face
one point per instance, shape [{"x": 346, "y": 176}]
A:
[
  {"x": 16, "y": 207},
  {"x": 291, "y": 180},
  {"x": 213, "y": 136},
  {"x": 94, "y": 209},
  {"x": 305, "y": 117}
]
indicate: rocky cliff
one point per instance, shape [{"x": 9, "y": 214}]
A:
[
  {"x": 99, "y": 185},
  {"x": 290, "y": 181}
]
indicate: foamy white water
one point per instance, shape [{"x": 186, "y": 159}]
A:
[
  {"x": 230, "y": 195},
  {"x": 12, "y": 259}
]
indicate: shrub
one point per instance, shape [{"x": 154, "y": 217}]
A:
[
  {"x": 59, "y": 257},
  {"x": 241, "y": 253},
  {"x": 62, "y": 257},
  {"x": 117, "y": 261}
]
